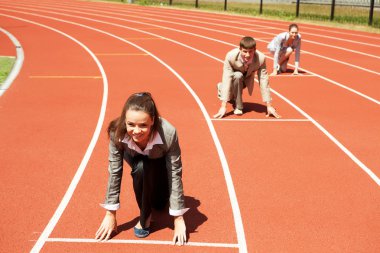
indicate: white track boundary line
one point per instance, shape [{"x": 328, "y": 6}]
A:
[
  {"x": 65, "y": 200},
  {"x": 16, "y": 66},
  {"x": 231, "y": 191},
  {"x": 149, "y": 242},
  {"x": 204, "y": 37}
]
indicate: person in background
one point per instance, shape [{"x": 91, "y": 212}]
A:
[
  {"x": 282, "y": 47},
  {"x": 239, "y": 69},
  {"x": 149, "y": 144}
]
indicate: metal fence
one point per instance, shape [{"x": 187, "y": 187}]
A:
[{"x": 369, "y": 6}]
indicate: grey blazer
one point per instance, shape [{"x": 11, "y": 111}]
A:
[
  {"x": 169, "y": 149},
  {"x": 233, "y": 63}
]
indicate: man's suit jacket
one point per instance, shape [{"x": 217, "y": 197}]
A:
[
  {"x": 233, "y": 63},
  {"x": 169, "y": 149}
]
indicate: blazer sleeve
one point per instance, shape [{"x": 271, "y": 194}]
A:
[
  {"x": 228, "y": 74},
  {"x": 115, "y": 170},
  {"x": 174, "y": 167},
  {"x": 276, "y": 47},
  {"x": 263, "y": 78},
  {"x": 298, "y": 52}
]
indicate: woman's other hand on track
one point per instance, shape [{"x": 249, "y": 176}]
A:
[
  {"x": 179, "y": 231},
  {"x": 108, "y": 225},
  {"x": 221, "y": 112}
]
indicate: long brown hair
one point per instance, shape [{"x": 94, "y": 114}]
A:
[{"x": 141, "y": 101}]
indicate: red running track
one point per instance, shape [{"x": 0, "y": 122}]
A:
[{"x": 305, "y": 183}]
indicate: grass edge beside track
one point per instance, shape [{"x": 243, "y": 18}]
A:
[
  {"x": 6, "y": 65},
  {"x": 327, "y": 23}
]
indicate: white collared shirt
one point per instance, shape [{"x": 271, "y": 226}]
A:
[{"x": 155, "y": 139}]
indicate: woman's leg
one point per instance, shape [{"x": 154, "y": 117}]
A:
[
  {"x": 142, "y": 187},
  {"x": 150, "y": 184},
  {"x": 283, "y": 62},
  {"x": 160, "y": 196}
]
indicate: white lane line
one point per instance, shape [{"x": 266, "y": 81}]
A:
[
  {"x": 157, "y": 11},
  {"x": 242, "y": 28},
  {"x": 208, "y": 23},
  {"x": 255, "y": 21},
  {"x": 244, "y": 20},
  {"x": 149, "y": 242},
  {"x": 145, "y": 12},
  {"x": 334, "y": 140},
  {"x": 16, "y": 66},
  {"x": 231, "y": 190},
  {"x": 69, "y": 192},
  {"x": 343, "y": 63},
  {"x": 308, "y": 27},
  {"x": 222, "y": 42},
  {"x": 162, "y": 27},
  {"x": 343, "y": 86},
  {"x": 333, "y": 38}
]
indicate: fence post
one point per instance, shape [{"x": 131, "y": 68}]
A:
[
  {"x": 298, "y": 8},
  {"x": 332, "y": 10},
  {"x": 261, "y": 6},
  {"x": 370, "y": 19},
  {"x": 196, "y": 3},
  {"x": 170, "y": 2},
  {"x": 225, "y": 5}
]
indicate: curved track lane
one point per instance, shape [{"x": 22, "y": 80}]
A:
[{"x": 47, "y": 121}]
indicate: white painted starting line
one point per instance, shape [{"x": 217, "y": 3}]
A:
[{"x": 151, "y": 242}]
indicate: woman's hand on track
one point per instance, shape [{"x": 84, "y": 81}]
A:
[
  {"x": 179, "y": 231},
  {"x": 108, "y": 225}
]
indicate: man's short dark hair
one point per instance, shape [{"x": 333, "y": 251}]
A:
[{"x": 248, "y": 42}]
